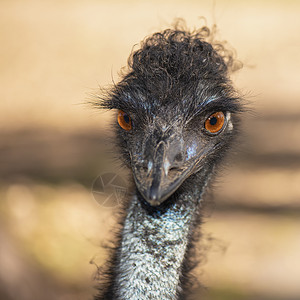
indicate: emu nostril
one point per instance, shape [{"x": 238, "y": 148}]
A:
[
  {"x": 178, "y": 157},
  {"x": 173, "y": 172}
]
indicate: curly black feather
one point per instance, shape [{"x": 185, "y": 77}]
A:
[{"x": 170, "y": 65}]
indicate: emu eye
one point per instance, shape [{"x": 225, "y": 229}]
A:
[
  {"x": 124, "y": 120},
  {"x": 214, "y": 123}
]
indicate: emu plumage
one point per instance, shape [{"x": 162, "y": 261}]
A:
[{"x": 175, "y": 83}]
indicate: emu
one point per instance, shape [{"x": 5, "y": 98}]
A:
[{"x": 177, "y": 114}]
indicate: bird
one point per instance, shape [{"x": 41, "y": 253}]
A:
[{"x": 177, "y": 115}]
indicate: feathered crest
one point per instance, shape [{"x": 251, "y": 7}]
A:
[
  {"x": 171, "y": 63},
  {"x": 183, "y": 54}
]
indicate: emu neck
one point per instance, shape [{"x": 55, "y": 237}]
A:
[{"x": 153, "y": 247}]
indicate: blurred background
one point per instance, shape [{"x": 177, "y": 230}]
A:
[{"x": 53, "y": 55}]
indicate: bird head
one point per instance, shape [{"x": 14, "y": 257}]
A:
[{"x": 177, "y": 111}]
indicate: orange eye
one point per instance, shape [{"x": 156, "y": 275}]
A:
[
  {"x": 124, "y": 120},
  {"x": 215, "y": 122}
]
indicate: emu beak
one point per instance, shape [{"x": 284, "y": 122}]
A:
[{"x": 163, "y": 174}]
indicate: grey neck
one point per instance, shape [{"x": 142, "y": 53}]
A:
[{"x": 153, "y": 247}]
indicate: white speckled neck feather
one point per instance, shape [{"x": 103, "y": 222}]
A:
[{"x": 153, "y": 248}]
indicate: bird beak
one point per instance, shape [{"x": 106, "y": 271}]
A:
[{"x": 162, "y": 175}]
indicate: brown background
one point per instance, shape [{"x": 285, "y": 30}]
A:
[{"x": 53, "y": 55}]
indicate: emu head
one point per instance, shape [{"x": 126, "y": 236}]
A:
[{"x": 176, "y": 111}]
